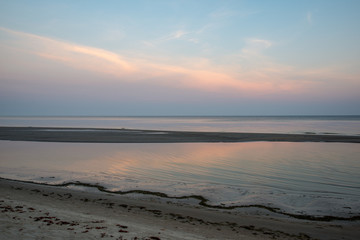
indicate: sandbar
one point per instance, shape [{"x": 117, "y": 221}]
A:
[{"x": 97, "y": 135}]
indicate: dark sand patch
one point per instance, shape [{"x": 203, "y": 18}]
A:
[{"x": 152, "y": 136}]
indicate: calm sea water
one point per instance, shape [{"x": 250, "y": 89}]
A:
[
  {"x": 301, "y": 178},
  {"x": 348, "y": 125},
  {"x": 310, "y": 178}
]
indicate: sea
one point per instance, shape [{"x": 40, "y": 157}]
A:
[{"x": 297, "y": 179}]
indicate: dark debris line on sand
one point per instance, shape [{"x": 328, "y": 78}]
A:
[
  {"x": 202, "y": 201},
  {"x": 46, "y": 219}
]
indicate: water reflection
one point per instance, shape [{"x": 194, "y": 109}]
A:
[{"x": 307, "y": 167}]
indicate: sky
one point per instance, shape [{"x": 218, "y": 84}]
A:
[{"x": 179, "y": 57}]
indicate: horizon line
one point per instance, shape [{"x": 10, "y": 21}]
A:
[{"x": 189, "y": 115}]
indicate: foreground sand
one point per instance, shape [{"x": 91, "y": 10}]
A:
[
  {"x": 152, "y": 136},
  {"x": 33, "y": 211}
]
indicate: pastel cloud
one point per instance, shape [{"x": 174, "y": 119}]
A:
[
  {"x": 177, "y": 34},
  {"x": 256, "y": 46},
  {"x": 309, "y": 17},
  {"x": 83, "y": 57},
  {"x": 250, "y": 73},
  {"x": 180, "y": 34}
]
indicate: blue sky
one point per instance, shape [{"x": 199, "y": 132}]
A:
[{"x": 179, "y": 57}]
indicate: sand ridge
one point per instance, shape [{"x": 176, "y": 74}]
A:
[{"x": 97, "y": 135}]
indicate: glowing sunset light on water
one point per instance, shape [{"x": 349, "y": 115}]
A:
[{"x": 173, "y": 55}]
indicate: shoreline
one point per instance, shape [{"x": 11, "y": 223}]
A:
[
  {"x": 39, "y": 210},
  {"x": 200, "y": 200},
  {"x": 99, "y": 135}
]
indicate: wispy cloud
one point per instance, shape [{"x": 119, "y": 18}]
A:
[
  {"x": 84, "y": 57},
  {"x": 309, "y": 17},
  {"x": 177, "y": 34},
  {"x": 192, "y": 36},
  {"x": 180, "y": 34},
  {"x": 249, "y": 73},
  {"x": 255, "y": 45}
]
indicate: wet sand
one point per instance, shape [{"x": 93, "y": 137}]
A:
[
  {"x": 34, "y": 211},
  {"x": 153, "y": 136}
]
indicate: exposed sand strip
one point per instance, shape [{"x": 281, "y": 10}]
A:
[{"x": 151, "y": 136}]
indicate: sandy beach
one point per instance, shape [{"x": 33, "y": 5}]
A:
[
  {"x": 97, "y": 135},
  {"x": 38, "y": 211},
  {"x": 33, "y": 211}
]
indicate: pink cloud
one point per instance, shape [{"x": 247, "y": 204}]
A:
[{"x": 249, "y": 73}]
